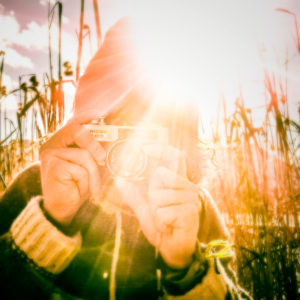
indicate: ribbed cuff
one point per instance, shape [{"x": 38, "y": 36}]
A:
[
  {"x": 41, "y": 241},
  {"x": 178, "y": 282}
]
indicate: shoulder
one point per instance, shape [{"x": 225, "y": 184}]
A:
[
  {"x": 26, "y": 185},
  {"x": 212, "y": 226}
]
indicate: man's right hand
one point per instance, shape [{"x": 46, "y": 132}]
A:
[{"x": 70, "y": 175}]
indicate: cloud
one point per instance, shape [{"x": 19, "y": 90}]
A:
[
  {"x": 11, "y": 26},
  {"x": 35, "y": 36},
  {"x": 32, "y": 37},
  {"x": 52, "y": 2},
  {"x": 8, "y": 82},
  {"x": 16, "y": 60},
  {"x": 65, "y": 20},
  {"x": 10, "y": 102},
  {"x": 12, "y": 57},
  {"x": 45, "y": 2}
]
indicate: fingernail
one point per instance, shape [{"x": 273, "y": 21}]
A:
[
  {"x": 101, "y": 155},
  {"x": 101, "y": 163}
]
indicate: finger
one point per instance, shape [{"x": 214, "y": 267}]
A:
[
  {"x": 69, "y": 173},
  {"x": 153, "y": 153},
  {"x": 131, "y": 194},
  {"x": 182, "y": 219},
  {"x": 168, "y": 197},
  {"x": 154, "y": 150},
  {"x": 168, "y": 156},
  {"x": 74, "y": 133},
  {"x": 65, "y": 189},
  {"x": 164, "y": 178},
  {"x": 174, "y": 160},
  {"x": 86, "y": 116},
  {"x": 187, "y": 225},
  {"x": 138, "y": 203},
  {"x": 84, "y": 159}
]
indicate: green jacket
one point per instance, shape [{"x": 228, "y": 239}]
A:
[{"x": 88, "y": 275}]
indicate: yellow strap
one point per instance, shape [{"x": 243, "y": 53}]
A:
[{"x": 218, "y": 249}]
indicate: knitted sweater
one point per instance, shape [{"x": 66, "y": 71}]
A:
[{"x": 36, "y": 265}]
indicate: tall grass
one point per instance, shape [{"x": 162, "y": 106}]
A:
[
  {"x": 257, "y": 184},
  {"x": 256, "y": 180},
  {"x": 41, "y": 108},
  {"x": 258, "y": 188}
]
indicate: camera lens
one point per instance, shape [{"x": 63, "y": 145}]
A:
[{"x": 126, "y": 159}]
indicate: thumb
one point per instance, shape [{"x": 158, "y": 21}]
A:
[
  {"x": 130, "y": 193},
  {"x": 163, "y": 178},
  {"x": 134, "y": 199}
]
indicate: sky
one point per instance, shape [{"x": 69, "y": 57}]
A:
[{"x": 202, "y": 50}]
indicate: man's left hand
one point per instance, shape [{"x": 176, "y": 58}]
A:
[{"x": 168, "y": 212}]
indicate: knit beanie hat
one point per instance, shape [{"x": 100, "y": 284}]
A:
[{"x": 112, "y": 73}]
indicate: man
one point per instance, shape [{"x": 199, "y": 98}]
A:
[{"x": 72, "y": 229}]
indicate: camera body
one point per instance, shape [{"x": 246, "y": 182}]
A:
[{"x": 125, "y": 155}]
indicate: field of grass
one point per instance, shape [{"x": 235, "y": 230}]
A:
[{"x": 255, "y": 180}]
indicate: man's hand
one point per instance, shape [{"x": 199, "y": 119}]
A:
[
  {"x": 70, "y": 175},
  {"x": 175, "y": 208},
  {"x": 168, "y": 210}
]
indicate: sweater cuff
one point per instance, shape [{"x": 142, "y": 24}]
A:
[
  {"x": 41, "y": 241},
  {"x": 178, "y": 282}
]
